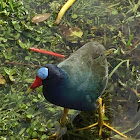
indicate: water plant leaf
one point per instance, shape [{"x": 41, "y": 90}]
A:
[
  {"x": 16, "y": 26},
  {"x": 105, "y": 118},
  {"x": 74, "y": 16},
  {"x": 113, "y": 71},
  {"x": 3, "y": 39},
  {"x": 129, "y": 41},
  {"x": 8, "y": 53},
  {"x": 44, "y": 137},
  {"x": 21, "y": 131},
  {"x": 23, "y": 45},
  {"x": 11, "y": 5},
  {"x": 72, "y": 33},
  {"x": 40, "y": 17},
  {"x": 2, "y": 80},
  {"x": 10, "y": 73},
  {"x": 98, "y": 20},
  {"x": 115, "y": 12},
  {"x": 29, "y": 116},
  {"x": 76, "y": 31}
]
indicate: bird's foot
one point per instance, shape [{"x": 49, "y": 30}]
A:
[
  {"x": 87, "y": 127},
  {"x": 58, "y": 134},
  {"x": 55, "y": 136},
  {"x": 101, "y": 122},
  {"x": 62, "y": 123},
  {"x": 113, "y": 129}
]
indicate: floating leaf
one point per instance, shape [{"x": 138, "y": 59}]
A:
[
  {"x": 34, "y": 134},
  {"x": 71, "y": 34},
  {"x": 105, "y": 118},
  {"x": 21, "y": 131},
  {"x": 40, "y": 17},
  {"x": 11, "y": 78},
  {"x": 76, "y": 31},
  {"x": 29, "y": 116},
  {"x": 2, "y": 80},
  {"x": 44, "y": 137},
  {"x": 54, "y": 5},
  {"x": 35, "y": 100},
  {"x": 115, "y": 12},
  {"x": 8, "y": 53},
  {"x": 74, "y": 16},
  {"x": 10, "y": 73},
  {"x": 42, "y": 129},
  {"x": 16, "y": 26},
  {"x": 3, "y": 39},
  {"x": 23, "y": 45}
]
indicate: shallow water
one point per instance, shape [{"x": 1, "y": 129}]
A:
[{"x": 114, "y": 24}]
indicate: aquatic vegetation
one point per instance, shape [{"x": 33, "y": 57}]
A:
[
  {"x": 40, "y": 17},
  {"x": 115, "y": 24},
  {"x": 71, "y": 34}
]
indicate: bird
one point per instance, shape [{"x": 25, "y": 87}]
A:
[{"x": 76, "y": 82}]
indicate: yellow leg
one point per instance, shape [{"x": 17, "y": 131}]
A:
[
  {"x": 100, "y": 122},
  {"x": 87, "y": 127},
  {"x": 63, "y": 10},
  {"x": 100, "y": 119},
  {"x": 115, "y": 130},
  {"x": 64, "y": 116},
  {"x": 62, "y": 120}
]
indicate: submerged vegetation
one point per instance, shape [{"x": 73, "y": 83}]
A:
[{"x": 115, "y": 24}]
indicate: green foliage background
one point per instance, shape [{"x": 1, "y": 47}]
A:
[{"x": 115, "y": 24}]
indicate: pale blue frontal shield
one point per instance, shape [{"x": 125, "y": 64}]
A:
[{"x": 43, "y": 72}]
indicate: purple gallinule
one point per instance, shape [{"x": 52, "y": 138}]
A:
[{"x": 77, "y": 82}]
